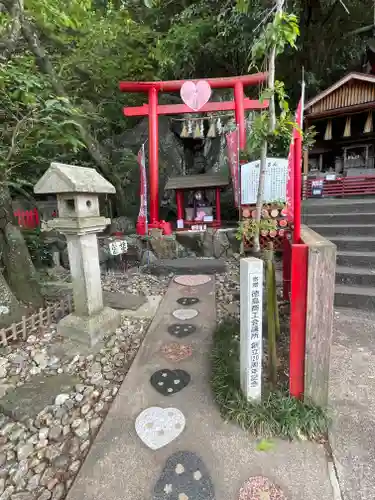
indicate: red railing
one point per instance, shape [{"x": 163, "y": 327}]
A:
[
  {"x": 28, "y": 219},
  {"x": 344, "y": 186}
]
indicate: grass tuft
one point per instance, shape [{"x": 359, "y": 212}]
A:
[{"x": 277, "y": 414}]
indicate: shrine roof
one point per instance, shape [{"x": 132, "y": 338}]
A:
[
  {"x": 197, "y": 181},
  {"x": 62, "y": 178},
  {"x": 353, "y": 91}
]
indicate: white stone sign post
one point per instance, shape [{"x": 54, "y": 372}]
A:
[
  {"x": 77, "y": 190},
  {"x": 251, "y": 307}
]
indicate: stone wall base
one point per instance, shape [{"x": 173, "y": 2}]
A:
[{"x": 89, "y": 330}]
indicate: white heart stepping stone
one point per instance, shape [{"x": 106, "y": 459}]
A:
[
  {"x": 185, "y": 314},
  {"x": 157, "y": 427}
]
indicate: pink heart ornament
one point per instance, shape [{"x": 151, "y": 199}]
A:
[{"x": 195, "y": 95}]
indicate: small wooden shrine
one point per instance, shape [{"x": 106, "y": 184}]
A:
[
  {"x": 345, "y": 139},
  {"x": 197, "y": 200}
]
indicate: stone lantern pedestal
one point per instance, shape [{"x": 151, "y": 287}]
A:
[{"x": 77, "y": 190}]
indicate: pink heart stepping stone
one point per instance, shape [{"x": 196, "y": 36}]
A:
[
  {"x": 260, "y": 488},
  {"x": 195, "y": 95},
  {"x": 192, "y": 280}
]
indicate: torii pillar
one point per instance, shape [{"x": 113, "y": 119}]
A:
[{"x": 153, "y": 110}]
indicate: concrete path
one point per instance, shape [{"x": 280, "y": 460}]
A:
[
  {"x": 120, "y": 467},
  {"x": 352, "y": 395}
]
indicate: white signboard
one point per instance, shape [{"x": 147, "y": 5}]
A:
[
  {"x": 118, "y": 247},
  {"x": 275, "y": 181},
  {"x": 251, "y": 303}
]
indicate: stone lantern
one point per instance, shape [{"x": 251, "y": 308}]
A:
[{"x": 77, "y": 190}]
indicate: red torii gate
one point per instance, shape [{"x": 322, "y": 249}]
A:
[{"x": 153, "y": 109}]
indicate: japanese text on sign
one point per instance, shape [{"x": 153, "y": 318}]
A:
[
  {"x": 275, "y": 181},
  {"x": 251, "y": 290},
  {"x": 118, "y": 247}
]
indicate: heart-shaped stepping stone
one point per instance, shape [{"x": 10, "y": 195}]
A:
[
  {"x": 184, "y": 477},
  {"x": 260, "y": 488},
  {"x": 157, "y": 427},
  {"x": 185, "y": 314},
  {"x": 189, "y": 291},
  {"x": 188, "y": 301},
  {"x": 168, "y": 382},
  {"x": 192, "y": 280},
  {"x": 176, "y": 352},
  {"x": 195, "y": 95},
  {"x": 181, "y": 331}
]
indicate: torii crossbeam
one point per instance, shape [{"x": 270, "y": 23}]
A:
[{"x": 153, "y": 109}]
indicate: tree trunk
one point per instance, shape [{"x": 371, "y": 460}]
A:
[
  {"x": 259, "y": 205},
  {"x": 272, "y": 126},
  {"x": 19, "y": 269},
  {"x": 272, "y": 314},
  {"x": 10, "y": 309}
]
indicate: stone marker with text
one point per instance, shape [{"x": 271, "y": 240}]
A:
[{"x": 251, "y": 303}]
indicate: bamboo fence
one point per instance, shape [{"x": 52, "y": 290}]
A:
[{"x": 29, "y": 324}]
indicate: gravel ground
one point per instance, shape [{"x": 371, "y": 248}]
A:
[
  {"x": 40, "y": 458},
  {"x": 228, "y": 291},
  {"x": 134, "y": 282}
]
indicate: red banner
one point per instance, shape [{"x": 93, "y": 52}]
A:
[
  {"x": 293, "y": 151},
  {"x": 233, "y": 160},
  {"x": 143, "y": 185}
]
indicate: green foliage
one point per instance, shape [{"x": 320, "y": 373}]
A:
[
  {"x": 277, "y": 415},
  {"x": 40, "y": 253},
  {"x": 248, "y": 227},
  {"x": 91, "y": 47},
  {"x": 280, "y": 33},
  {"x": 265, "y": 445},
  {"x": 36, "y": 123},
  {"x": 93, "y": 44}
]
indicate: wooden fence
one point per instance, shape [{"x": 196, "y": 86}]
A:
[
  {"x": 30, "y": 324},
  {"x": 343, "y": 186}
]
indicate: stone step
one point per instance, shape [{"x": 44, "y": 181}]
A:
[
  {"x": 358, "y": 276},
  {"x": 353, "y": 259},
  {"x": 354, "y": 243},
  {"x": 357, "y": 297},
  {"x": 330, "y": 230},
  {"x": 187, "y": 265},
  {"x": 338, "y": 205},
  {"x": 339, "y": 218}
]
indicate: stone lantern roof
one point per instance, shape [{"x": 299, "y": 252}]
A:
[{"x": 61, "y": 178}]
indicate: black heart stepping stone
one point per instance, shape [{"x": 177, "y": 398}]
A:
[
  {"x": 168, "y": 382},
  {"x": 180, "y": 331},
  {"x": 184, "y": 477},
  {"x": 188, "y": 301}
]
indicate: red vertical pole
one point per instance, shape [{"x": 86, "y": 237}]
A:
[
  {"x": 297, "y": 187},
  {"x": 29, "y": 219},
  {"x": 153, "y": 134},
  {"x": 180, "y": 204},
  {"x": 36, "y": 217},
  {"x": 287, "y": 257},
  {"x": 298, "y": 304},
  {"x": 218, "y": 208},
  {"x": 240, "y": 112}
]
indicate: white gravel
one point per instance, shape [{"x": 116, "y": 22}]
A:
[
  {"x": 227, "y": 291},
  {"x": 39, "y": 459}
]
